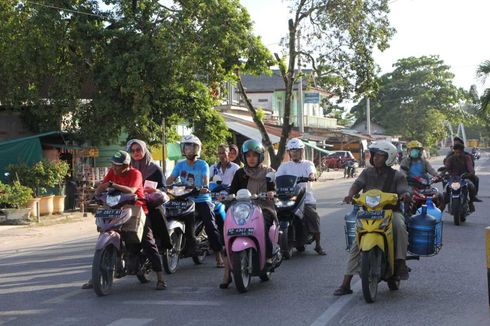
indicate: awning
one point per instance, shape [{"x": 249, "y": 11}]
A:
[
  {"x": 321, "y": 150},
  {"x": 249, "y": 132}
]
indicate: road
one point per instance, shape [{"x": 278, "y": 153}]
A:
[{"x": 41, "y": 286}]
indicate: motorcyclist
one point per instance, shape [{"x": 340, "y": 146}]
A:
[
  {"x": 457, "y": 164},
  {"x": 300, "y": 167},
  {"x": 253, "y": 177},
  {"x": 195, "y": 172},
  {"x": 383, "y": 177},
  {"x": 415, "y": 165}
]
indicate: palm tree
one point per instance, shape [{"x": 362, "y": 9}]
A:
[{"x": 483, "y": 71}]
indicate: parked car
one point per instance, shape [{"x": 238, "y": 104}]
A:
[{"x": 337, "y": 159}]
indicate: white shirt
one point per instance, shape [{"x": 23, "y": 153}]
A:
[
  {"x": 300, "y": 169},
  {"x": 227, "y": 175}
]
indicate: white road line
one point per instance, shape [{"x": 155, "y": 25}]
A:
[
  {"x": 335, "y": 308},
  {"x": 131, "y": 322},
  {"x": 63, "y": 297},
  {"x": 30, "y": 288},
  {"x": 24, "y": 312},
  {"x": 7, "y": 320},
  {"x": 174, "y": 303}
]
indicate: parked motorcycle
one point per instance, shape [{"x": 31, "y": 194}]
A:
[
  {"x": 289, "y": 206},
  {"x": 118, "y": 249},
  {"x": 244, "y": 235},
  {"x": 177, "y": 209},
  {"x": 350, "y": 168}
]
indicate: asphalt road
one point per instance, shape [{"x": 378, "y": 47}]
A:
[{"x": 42, "y": 286}]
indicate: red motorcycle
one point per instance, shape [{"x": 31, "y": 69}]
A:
[{"x": 421, "y": 190}]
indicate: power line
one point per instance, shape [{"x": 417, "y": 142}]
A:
[{"x": 66, "y": 9}]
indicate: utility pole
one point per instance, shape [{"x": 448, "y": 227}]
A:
[
  {"x": 164, "y": 162},
  {"x": 368, "y": 116},
  {"x": 301, "y": 127}
]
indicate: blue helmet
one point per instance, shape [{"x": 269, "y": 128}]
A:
[{"x": 254, "y": 146}]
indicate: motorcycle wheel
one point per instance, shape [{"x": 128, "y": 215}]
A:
[
  {"x": 456, "y": 210},
  {"x": 144, "y": 274},
  {"x": 241, "y": 274},
  {"x": 370, "y": 273},
  {"x": 202, "y": 237},
  {"x": 286, "y": 250},
  {"x": 170, "y": 258},
  {"x": 103, "y": 269}
]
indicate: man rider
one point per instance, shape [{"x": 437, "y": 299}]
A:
[
  {"x": 224, "y": 168},
  {"x": 195, "y": 172},
  {"x": 383, "y": 177},
  {"x": 300, "y": 167}
]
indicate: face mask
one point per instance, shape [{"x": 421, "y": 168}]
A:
[{"x": 414, "y": 153}]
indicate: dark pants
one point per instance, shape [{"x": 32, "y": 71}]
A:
[
  {"x": 205, "y": 211},
  {"x": 476, "y": 182},
  {"x": 159, "y": 227},
  {"x": 150, "y": 248},
  {"x": 268, "y": 221}
]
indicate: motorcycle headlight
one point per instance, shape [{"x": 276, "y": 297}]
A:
[
  {"x": 455, "y": 185},
  {"x": 373, "y": 201},
  {"x": 241, "y": 213}
]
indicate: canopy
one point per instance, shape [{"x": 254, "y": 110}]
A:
[{"x": 312, "y": 145}]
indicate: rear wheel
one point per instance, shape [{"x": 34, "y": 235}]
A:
[
  {"x": 202, "y": 239},
  {"x": 456, "y": 210},
  {"x": 370, "y": 273},
  {"x": 144, "y": 274},
  {"x": 241, "y": 272},
  {"x": 170, "y": 258},
  {"x": 103, "y": 269}
]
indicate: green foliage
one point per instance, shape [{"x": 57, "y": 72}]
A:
[
  {"x": 14, "y": 195},
  {"x": 260, "y": 114}
]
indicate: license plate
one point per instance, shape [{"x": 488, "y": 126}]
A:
[
  {"x": 374, "y": 215},
  {"x": 105, "y": 213},
  {"x": 242, "y": 231}
]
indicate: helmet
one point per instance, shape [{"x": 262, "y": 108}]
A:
[
  {"x": 254, "y": 146},
  {"x": 295, "y": 143},
  {"x": 384, "y": 147},
  {"x": 414, "y": 144},
  {"x": 191, "y": 139}
]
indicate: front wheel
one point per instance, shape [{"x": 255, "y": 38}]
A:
[
  {"x": 456, "y": 210},
  {"x": 241, "y": 271},
  {"x": 286, "y": 249},
  {"x": 370, "y": 273},
  {"x": 202, "y": 238},
  {"x": 103, "y": 269},
  {"x": 170, "y": 258}
]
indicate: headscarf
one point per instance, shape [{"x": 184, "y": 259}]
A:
[
  {"x": 145, "y": 165},
  {"x": 257, "y": 182}
]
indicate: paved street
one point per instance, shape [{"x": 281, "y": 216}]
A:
[{"x": 41, "y": 285}]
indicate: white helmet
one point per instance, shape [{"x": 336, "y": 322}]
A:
[
  {"x": 295, "y": 143},
  {"x": 191, "y": 139},
  {"x": 385, "y": 147}
]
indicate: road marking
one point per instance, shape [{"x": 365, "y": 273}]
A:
[
  {"x": 7, "y": 320},
  {"x": 335, "y": 308},
  {"x": 131, "y": 322},
  {"x": 63, "y": 297},
  {"x": 24, "y": 312},
  {"x": 40, "y": 261},
  {"x": 174, "y": 303},
  {"x": 30, "y": 288}
]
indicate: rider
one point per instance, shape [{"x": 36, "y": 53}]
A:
[
  {"x": 300, "y": 167},
  {"x": 458, "y": 163},
  {"x": 225, "y": 168},
  {"x": 383, "y": 177},
  {"x": 415, "y": 165},
  {"x": 253, "y": 177},
  {"x": 195, "y": 172}
]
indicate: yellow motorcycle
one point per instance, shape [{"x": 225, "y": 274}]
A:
[{"x": 374, "y": 235}]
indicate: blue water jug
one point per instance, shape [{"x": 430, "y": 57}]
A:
[
  {"x": 350, "y": 227},
  {"x": 421, "y": 234},
  {"x": 437, "y": 214}
]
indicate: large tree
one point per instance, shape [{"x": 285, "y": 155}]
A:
[
  {"x": 415, "y": 100},
  {"x": 483, "y": 71},
  {"x": 338, "y": 38}
]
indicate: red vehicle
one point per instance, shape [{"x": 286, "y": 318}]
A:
[
  {"x": 337, "y": 159},
  {"x": 422, "y": 189}
]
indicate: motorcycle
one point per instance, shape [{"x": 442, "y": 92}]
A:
[
  {"x": 244, "y": 235},
  {"x": 423, "y": 189},
  {"x": 457, "y": 191},
  {"x": 476, "y": 155},
  {"x": 218, "y": 190},
  {"x": 177, "y": 209},
  {"x": 374, "y": 235},
  {"x": 289, "y": 204},
  {"x": 118, "y": 249},
  {"x": 350, "y": 168}
]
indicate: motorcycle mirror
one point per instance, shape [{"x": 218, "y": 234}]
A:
[
  {"x": 271, "y": 176},
  {"x": 441, "y": 169},
  {"x": 217, "y": 179}
]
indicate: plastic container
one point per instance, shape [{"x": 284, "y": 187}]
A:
[
  {"x": 437, "y": 214},
  {"x": 350, "y": 227},
  {"x": 422, "y": 234}
]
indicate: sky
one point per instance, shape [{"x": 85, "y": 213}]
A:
[{"x": 456, "y": 30}]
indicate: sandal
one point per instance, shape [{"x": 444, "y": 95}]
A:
[
  {"x": 342, "y": 291},
  {"x": 88, "y": 285},
  {"x": 320, "y": 251},
  {"x": 161, "y": 285}
]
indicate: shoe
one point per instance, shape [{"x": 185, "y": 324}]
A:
[
  {"x": 161, "y": 285},
  {"x": 471, "y": 207},
  {"x": 401, "y": 270},
  {"x": 226, "y": 284},
  {"x": 319, "y": 250},
  {"x": 300, "y": 248},
  {"x": 342, "y": 291},
  {"x": 88, "y": 285},
  {"x": 478, "y": 200}
]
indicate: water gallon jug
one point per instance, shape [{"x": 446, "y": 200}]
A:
[
  {"x": 435, "y": 212},
  {"x": 350, "y": 227},
  {"x": 421, "y": 234}
]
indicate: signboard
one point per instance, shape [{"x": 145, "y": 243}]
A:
[
  {"x": 90, "y": 152},
  {"x": 312, "y": 98}
]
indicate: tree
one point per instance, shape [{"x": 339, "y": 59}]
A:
[
  {"x": 483, "y": 71},
  {"x": 338, "y": 39},
  {"x": 416, "y": 98}
]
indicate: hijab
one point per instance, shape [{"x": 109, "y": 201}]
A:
[{"x": 145, "y": 165}]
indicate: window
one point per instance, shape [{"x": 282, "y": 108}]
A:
[{"x": 261, "y": 100}]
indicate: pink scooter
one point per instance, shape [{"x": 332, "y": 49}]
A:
[{"x": 244, "y": 233}]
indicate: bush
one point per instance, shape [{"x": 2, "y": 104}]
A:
[{"x": 15, "y": 195}]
